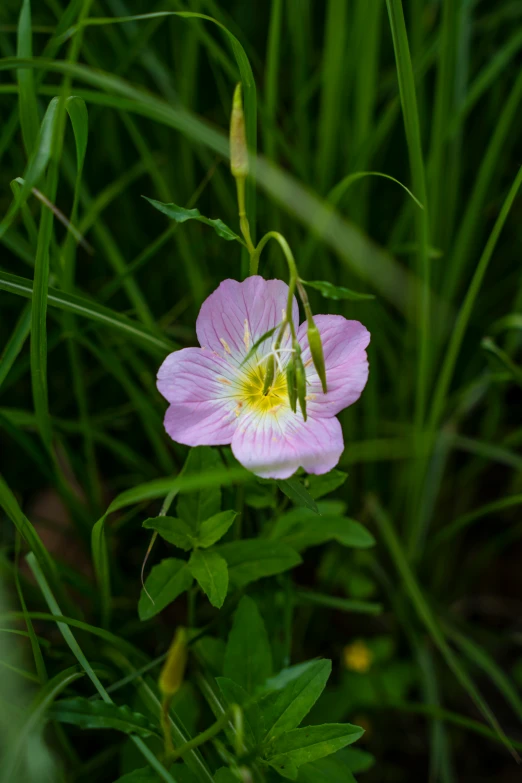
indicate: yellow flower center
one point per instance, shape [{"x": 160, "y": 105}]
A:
[{"x": 251, "y": 393}]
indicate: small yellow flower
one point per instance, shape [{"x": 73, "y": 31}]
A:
[{"x": 357, "y": 657}]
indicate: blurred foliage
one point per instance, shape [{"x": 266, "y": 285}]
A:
[{"x": 422, "y": 629}]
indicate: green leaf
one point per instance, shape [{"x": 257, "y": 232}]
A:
[
  {"x": 87, "y": 309},
  {"x": 211, "y": 530},
  {"x": 224, "y": 775},
  {"x": 180, "y": 773},
  {"x": 165, "y": 582},
  {"x": 143, "y": 775},
  {"x": 15, "y": 343},
  {"x": 336, "y": 292},
  {"x": 284, "y": 710},
  {"x": 248, "y": 656},
  {"x": 77, "y": 112},
  {"x": 233, "y": 693},
  {"x": 326, "y": 770},
  {"x": 194, "y": 507},
  {"x": 100, "y": 715},
  {"x": 100, "y": 558},
  {"x": 254, "y": 558},
  {"x": 337, "y": 768},
  {"x": 300, "y": 529},
  {"x": 294, "y": 489},
  {"x": 28, "y": 105},
  {"x": 181, "y": 215},
  {"x": 301, "y": 746},
  {"x": 211, "y": 572},
  {"x": 173, "y": 530},
  {"x": 318, "y": 486}
]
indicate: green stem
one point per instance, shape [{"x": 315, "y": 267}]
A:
[
  {"x": 292, "y": 268},
  {"x": 165, "y": 725},
  {"x": 243, "y": 220},
  {"x": 201, "y": 738}
]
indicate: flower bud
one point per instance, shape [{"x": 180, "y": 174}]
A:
[
  {"x": 300, "y": 382},
  {"x": 316, "y": 349},
  {"x": 238, "y": 144},
  {"x": 173, "y": 671},
  {"x": 269, "y": 373},
  {"x": 290, "y": 384}
]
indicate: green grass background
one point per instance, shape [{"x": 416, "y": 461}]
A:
[{"x": 426, "y": 92}]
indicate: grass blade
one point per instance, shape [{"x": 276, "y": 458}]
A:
[{"x": 430, "y": 622}]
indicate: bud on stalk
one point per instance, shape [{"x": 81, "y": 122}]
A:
[
  {"x": 171, "y": 677},
  {"x": 300, "y": 382},
  {"x": 290, "y": 384},
  {"x": 269, "y": 373},
  {"x": 316, "y": 349},
  {"x": 238, "y": 144}
]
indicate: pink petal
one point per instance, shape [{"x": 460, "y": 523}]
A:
[
  {"x": 256, "y": 302},
  {"x": 201, "y": 389},
  {"x": 275, "y": 446},
  {"x": 344, "y": 344}
]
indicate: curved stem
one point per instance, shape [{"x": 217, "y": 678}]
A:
[
  {"x": 292, "y": 268},
  {"x": 243, "y": 220}
]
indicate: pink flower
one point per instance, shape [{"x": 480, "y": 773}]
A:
[{"x": 216, "y": 400}]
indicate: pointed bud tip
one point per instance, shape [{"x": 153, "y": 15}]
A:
[
  {"x": 316, "y": 349},
  {"x": 173, "y": 672},
  {"x": 238, "y": 144}
]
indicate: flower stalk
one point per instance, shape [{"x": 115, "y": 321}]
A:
[
  {"x": 295, "y": 373},
  {"x": 170, "y": 681}
]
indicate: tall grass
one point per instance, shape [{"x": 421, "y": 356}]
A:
[{"x": 102, "y": 102}]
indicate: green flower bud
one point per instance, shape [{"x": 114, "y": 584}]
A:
[
  {"x": 316, "y": 349},
  {"x": 291, "y": 385},
  {"x": 269, "y": 373},
  {"x": 300, "y": 382},
  {"x": 171, "y": 677},
  {"x": 238, "y": 144}
]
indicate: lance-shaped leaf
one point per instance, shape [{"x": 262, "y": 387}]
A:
[
  {"x": 175, "y": 531},
  {"x": 165, "y": 582},
  {"x": 284, "y": 709},
  {"x": 101, "y": 715},
  {"x": 255, "y": 558},
  {"x": 211, "y": 572},
  {"x": 181, "y": 215},
  {"x": 248, "y": 656},
  {"x": 301, "y": 746},
  {"x": 336, "y": 292},
  {"x": 213, "y": 529}
]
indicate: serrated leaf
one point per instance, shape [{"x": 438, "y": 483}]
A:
[
  {"x": 300, "y": 529},
  {"x": 318, "y": 486},
  {"x": 233, "y": 693},
  {"x": 174, "y": 530},
  {"x": 181, "y": 215},
  {"x": 248, "y": 655},
  {"x": 211, "y": 530},
  {"x": 254, "y": 558},
  {"x": 294, "y": 489},
  {"x": 165, "y": 583},
  {"x": 100, "y": 715},
  {"x": 302, "y": 746},
  {"x": 211, "y": 572},
  {"x": 194, "y": 507},
  {"x": 336, "y": 292},
  {"x": 284, "y": 710}
]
